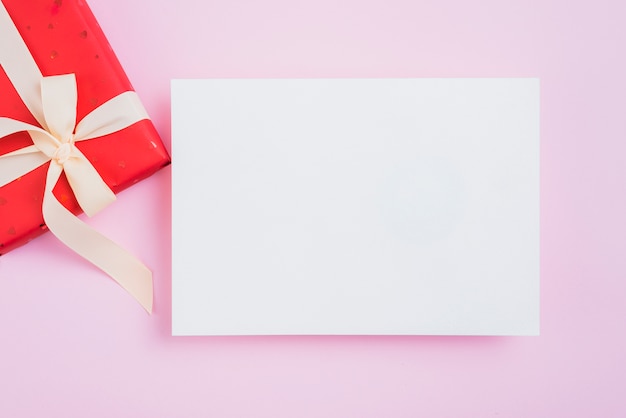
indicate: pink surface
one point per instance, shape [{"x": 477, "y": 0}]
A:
[{"x": 74, "y": 344}]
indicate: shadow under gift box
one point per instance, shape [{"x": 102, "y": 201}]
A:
[{"x": 64, "y": 37}]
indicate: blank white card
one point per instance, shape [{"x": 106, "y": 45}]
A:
[{"x": 355, "y": 206}]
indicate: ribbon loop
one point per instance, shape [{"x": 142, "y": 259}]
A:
[
  {"x": 112, "y": 116},
  {"x": 59, "y": 96}
]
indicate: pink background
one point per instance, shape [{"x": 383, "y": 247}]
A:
[{"x": 75, "y": 345}]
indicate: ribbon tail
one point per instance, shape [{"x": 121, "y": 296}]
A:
[
  {"x": 118, "y": 263},
  {"x": 90, "y": 190}
]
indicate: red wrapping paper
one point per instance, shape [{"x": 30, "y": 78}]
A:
[{"x": 63, "y": 37}]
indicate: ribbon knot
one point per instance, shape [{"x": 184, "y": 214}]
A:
[
  {"x": 63, "y": 153},
  {"x": 52, "y": 101}
]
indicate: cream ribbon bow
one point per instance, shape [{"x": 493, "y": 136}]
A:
[{"x": 52, "y": 102}]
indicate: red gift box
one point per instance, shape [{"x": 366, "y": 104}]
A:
[{"x": 63, "y": 37}]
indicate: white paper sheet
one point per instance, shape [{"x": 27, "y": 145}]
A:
[{"x": 355, "y": 206}]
